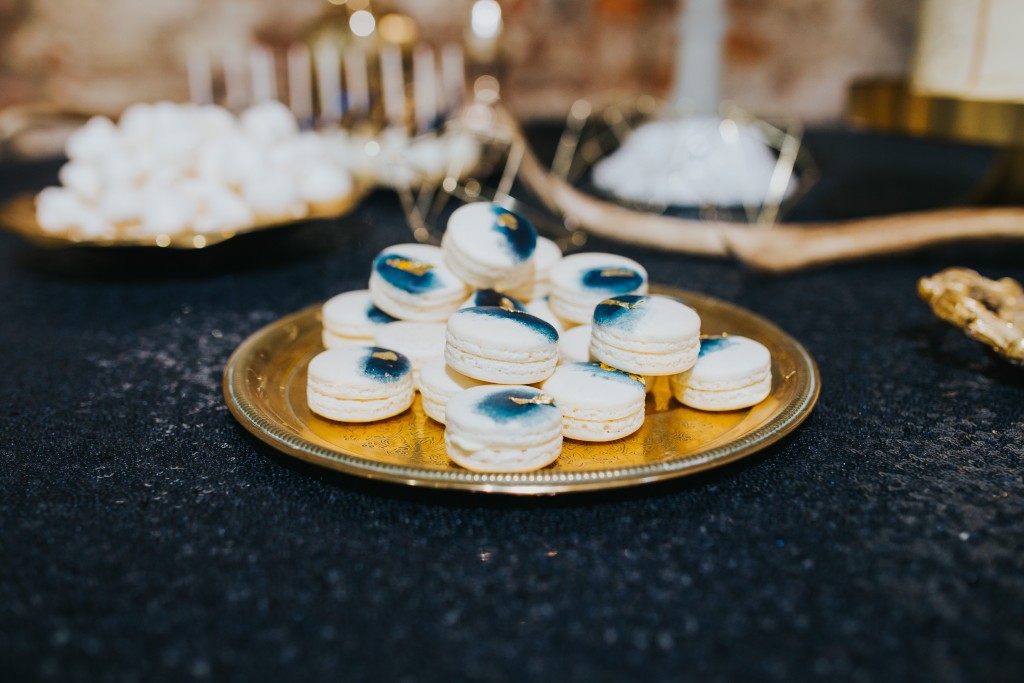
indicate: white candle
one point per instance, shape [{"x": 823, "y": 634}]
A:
[
  {"x": 357, "y": 89},
  {"x": 236, "y": 87},
  {"x": 392, "y": 85},
  {"x": 328, "y": 81},
  {"x": 300, "y": 90},
  {"x": 699, "y": 59},
  {"x": 264, "y": 77},
  {"x": 424, "y": 87},
  {"x": 200, "y": 78},
  {"x": 453, "y": 76}
]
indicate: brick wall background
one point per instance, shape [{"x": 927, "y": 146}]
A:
[{"x": 794, "y": 56}]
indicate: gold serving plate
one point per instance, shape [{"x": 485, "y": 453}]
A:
[
  {"x": 19, "y": 215},
  {"x": 265, "y": 388}
]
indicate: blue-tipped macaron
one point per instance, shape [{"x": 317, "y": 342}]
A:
[
  {"x": 489, "y": 247},
  {"x": 411, "y": 282},
  {"x": 645, "y": 334},
  {"x": 497, "y": 345},
  {"x": 599, "y": 403},
  {"x": 731, "y": 373},
  {"x": 581, "y": 281},
  {"x": 352, "y": 318},
  {"x": 503, "y": 429},
  {"x": 359, "y": 383}
]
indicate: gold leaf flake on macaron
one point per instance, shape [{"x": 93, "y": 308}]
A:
[
  {"x": 638, "y": 378},
  {"x": 541, "y": 400},
  {"x": 385, "y": 355},
  {"x": 507, "y": 304},
  {"x": 415, "y": 267},
  {"x": 507, "y": 220},
  {"x": 623, "y": 304},
  {"x": 617, "y": 272}
]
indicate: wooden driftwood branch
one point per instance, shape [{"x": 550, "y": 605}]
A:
[{"x": 780, "y": 247}]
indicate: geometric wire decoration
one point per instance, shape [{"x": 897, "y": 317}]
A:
[
  {"x": 429, "y": 201},
  {"x": 695, "y": 166}
]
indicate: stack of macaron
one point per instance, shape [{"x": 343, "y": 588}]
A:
[
  {"x": 513, "y": 351},
  {"x": 166, "y": 169}
]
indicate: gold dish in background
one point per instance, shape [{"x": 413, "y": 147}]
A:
[
  {"x": 19, "y": 215},
  {"x": 265, "y": 388}
]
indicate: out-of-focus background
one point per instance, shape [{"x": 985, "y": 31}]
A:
[{"x": 793, "y": 56}]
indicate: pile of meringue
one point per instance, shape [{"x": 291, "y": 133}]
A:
[
  {"x": 166, "y": 169},
  {"x": 169, "y": 171}
]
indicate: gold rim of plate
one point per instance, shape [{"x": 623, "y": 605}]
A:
[
  {"x": 19, "y": 215},
  {"x": 265, "y": 389}
]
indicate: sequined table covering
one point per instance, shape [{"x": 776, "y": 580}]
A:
[{"x": 144, "y": 536}]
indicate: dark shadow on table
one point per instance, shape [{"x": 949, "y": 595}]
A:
[
  {"x": 308, "y": 241},
  {"x": 951, "y": 348}
]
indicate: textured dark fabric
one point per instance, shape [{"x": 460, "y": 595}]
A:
[{"x": 144, "y": 536}]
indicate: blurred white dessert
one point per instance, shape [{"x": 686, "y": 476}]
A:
[
  {"x": 169, "y": 170},
  {"x": 699, "y": 160}
]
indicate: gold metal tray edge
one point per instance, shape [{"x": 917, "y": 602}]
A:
[{"x": 533, "y": 483}]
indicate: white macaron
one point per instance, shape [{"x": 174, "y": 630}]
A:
[
  {"x": 438, "y": 383},
  {"x": 359, "y": 384},
  {"x": 545, "y": 256},
  {"x": 491, "y": 297},
  {"x": 419, "y": 342},
  {"x": 351, "y": 318},
  {"x": 541, "y": 309},
  {"x": 503, "y": 429},
  {"x": 645, "y": 334},
  {"x": 411, "y": 282},
  {"x": 493, "y": 344},
  {"x": 731, "y": 373},
  {"x": 574, "y": 345},
  {"x": 489, "y": 247},
  {"x": 599, "y": 403},
  {"x": 581, "y": 281}
]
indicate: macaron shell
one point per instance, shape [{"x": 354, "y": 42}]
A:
[
  {"x": 498, "y": 333},
  {"x": 438, "y": 383},
  {"x": 492, "y": 235},
  {"x": 353, "y": 314},
  {"x": 578, "y": 308},
  {"x": 728, "y": 362},
  {"x": 411, "y": 282},
  {"x": 593, "y": 392},
  {"x": 358, "y": 384},
  {"x": 725, "y": 399},
  {"x": 574, "y": 345},
  {"x": 358, "y": 372},
  {"x": 420, "y": 342},
  {"x": 503, "y": 429},
  {"x": 479, "y": 275},
  {"x": 598, "y": 274},
  {"x": 538, "y": 284},
  {"x": 598, "y": 403},
  {"x": 331, "y": 340},
  {"x": 496, "y": 345},
  {"x": 353, "y": 410},
  {"x": 673, "y": 362},
  {"x": 498, "y": 371},
  {"x": 647, "y": 319},
  {"x": 526, "y": 459},
  {"x": 601, "y": 430},
  {"x": 539, "y": 308}
]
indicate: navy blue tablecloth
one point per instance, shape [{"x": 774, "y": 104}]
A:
[{"x": 145, "y": 536}]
